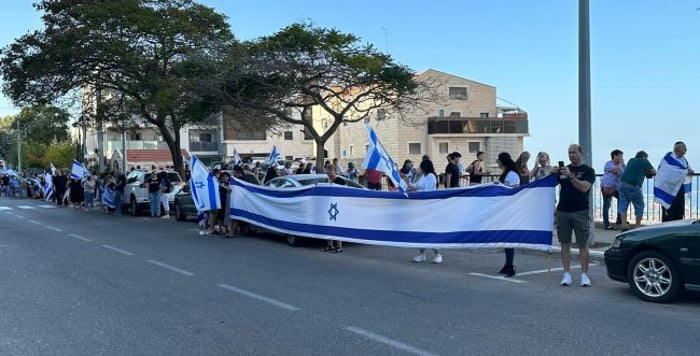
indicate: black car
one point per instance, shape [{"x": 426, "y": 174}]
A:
[{"x": 658, "y": 261}]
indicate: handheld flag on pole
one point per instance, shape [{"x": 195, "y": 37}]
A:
[
  {"x": 78, "y": 171},
  {"x": 237, "y": 161},
  {"x": 48, "y": 188},
  {"x": 378, "y": 158},
  {"x": 274, "y": 155},
  {"x": 204, "y": 187},
  {"x": 53, "y": 170}
]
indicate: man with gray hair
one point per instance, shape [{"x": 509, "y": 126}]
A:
[{"x": 575, "y": 181}]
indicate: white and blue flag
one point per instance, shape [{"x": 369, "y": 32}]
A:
[
  {"x": 108, "y": 197},
  {"x": 274, "y": 156},
  {"x": 11, "y": 172},
  {"x": 378, "y": 158},
  {"x": 490, "y": 215},
  {"x": 78, "y": 171},
  {"x": 53, "y": 169},
  {"x": 204, "y": 187},
  {"x": 669, "y": 179},
  {"x": 48, "y": 186},
  {"x": 237, "y": 161}
]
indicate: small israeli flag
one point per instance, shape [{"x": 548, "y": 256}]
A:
[
  {"x": 237, "y": 161},
  {"x": 378, "y": 158},
  {"x": 53, "y": 170},
  {"x": 274, "y": 155},
  {"x": 204, "y": 187},
  {"x": 108, "y": 197},
  {"x": 48, "y": 188},
  {"x": 78, "y": 171}
]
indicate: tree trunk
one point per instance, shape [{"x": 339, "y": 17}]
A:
[
  {"x": 320, "y": 157},
  {"x": 173, "y": 141}
]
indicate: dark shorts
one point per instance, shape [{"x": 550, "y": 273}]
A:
[
  {"x": 578, "y": 222},
  {"x": 374, "y": 186}
]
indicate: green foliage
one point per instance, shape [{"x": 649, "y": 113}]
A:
[
  {"x": 60, "y": 154},
  {"x": 150, "y": 54},
  {"x": 43, "y": 124}
]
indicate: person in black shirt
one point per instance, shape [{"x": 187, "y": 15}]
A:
[
  {"x": 119, "y": 186},
  {"x": 575, "y": 181},
  {"x": 452, "y": 171},
  {"x": 154, "y": 194},
  {"x": 60, "y": 183}
]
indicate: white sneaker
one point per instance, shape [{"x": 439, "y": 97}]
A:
[
  {"x": 419, "y": 258},
  {"x": 566, "y": 279},
  {"x": 585, "y": 281},
  {"x": 166, "y": 216},
  {"x": 437, "y": 258}
]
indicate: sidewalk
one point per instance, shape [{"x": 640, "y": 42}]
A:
[{"x": 602, "y": 240}]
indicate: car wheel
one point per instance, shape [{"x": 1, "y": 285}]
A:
[
  {"x": 134, "y": 207},
  {"x": 179, "y": 216},
  {"x": 653, "y": 277},
  {"x": 293, "y": 241}
]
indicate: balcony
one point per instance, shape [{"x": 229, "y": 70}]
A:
[
  {"x": 476, "y": 125},
  {"x": 136, "y": 145},
  {"x": 202, "y": 146}
]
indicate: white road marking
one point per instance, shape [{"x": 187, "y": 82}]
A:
[
  {"x": 500, "y": 278},
  {"x": 553, "y": 270},
  {"x": 53, "y": 228},
  {"x": 7, "y": 212},
  {"x": 259, "y": 297},
  {"x": 172, "y": 268},
  {"x": 34, "y": 222},
  {"x": 5, "y": 208},
  {"x": 20, "y": 216},
  {"x": 25, "y": 207},
  {"x": 387, "y": 341},
  {"x": 80, "y": 237},
  {"x": 118, "y": 250},
  {"x": 47, "y": 206}
]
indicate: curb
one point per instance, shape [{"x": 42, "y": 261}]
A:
[{"x": 594, "y": 254}]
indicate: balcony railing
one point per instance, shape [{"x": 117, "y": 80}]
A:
[
  {"x": 136, "y": 145},
  {"x": 476, "y": 125}
]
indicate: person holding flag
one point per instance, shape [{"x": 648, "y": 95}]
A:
[
  {"x": 237, "y": 161},
  {"x": 378, "y": 159},
  {"x": 274, "y": 156},
  {"x": 205, "y": 189}
]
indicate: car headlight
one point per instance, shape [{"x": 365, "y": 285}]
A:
[{"x": 616, "y": 243}]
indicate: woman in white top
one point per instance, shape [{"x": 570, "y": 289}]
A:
[
  {"x": 427, "y": 182},
  {"x": 509, "y": 177}
]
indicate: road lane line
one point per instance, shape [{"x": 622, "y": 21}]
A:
[
  {"x": 53, "y": 228},
  {"x": 9, "y": 212},
  {"x": 5, "y": 208},
  {"x": 387, "y": 341},
  {"x": 118, "y": 250},
  {"x": 500, "y": 278},
  {"x": 553, "y": 270},
  {"x": 20, "y": 216},
  {"x": 34, "y": 222},
  {"x": 259, "y": 297},
  {"x": 25, "y": 207},
  {"x": 172, "y": 268},
  {"x": 80, "y": 237}
]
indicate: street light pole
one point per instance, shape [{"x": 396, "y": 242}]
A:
[
  {"x": 584, "y": 95},
  {"x": 19, "y": 147}
]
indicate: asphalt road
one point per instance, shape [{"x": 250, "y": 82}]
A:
[{"x": 84, "y": 283}]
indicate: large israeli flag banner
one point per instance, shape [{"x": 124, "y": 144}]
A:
[
  {"x": 204, "y": 187},
  {"x": 490, "y": 215},
  {"x": 78, "y": 171},
  {"x": 378, "y": 158}
]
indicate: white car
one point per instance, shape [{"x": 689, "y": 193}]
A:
[{"x": 136, "y": 191}]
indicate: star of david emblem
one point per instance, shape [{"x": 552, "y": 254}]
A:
[
  {"x": 333, "y": 211},
  {"x": 199, "y": 185}
]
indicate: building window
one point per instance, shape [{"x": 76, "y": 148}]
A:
[
  {"x": 474, "y": 147},
  {"x": 455, "y": 114},
  {"x": 484, "y": 114},
  {"x": 414, "y": 149},
  {"x": 459, "y": 93},
  {"x": 288, "y": 135},
  {"x": 352, "y": 151},
  {"x": 443, "y": 147},
  {"x": 441, "y": 113}
]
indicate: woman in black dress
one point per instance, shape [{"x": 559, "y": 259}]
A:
[{"x": 77, "y": 194}]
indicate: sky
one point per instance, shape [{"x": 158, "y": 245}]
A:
[{"x": 645, "y": 58}]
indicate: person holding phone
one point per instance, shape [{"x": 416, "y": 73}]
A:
[{"x": 575, "y": 180}]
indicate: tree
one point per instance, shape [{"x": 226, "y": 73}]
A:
[
  {"x": 154, "y": 52},
  {"x": 43, "y": 124},
  {"x": 61, "y": 155},
  {"x": 302, "y": 66}
]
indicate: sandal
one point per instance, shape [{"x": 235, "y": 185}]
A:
[
  {"x": 337, "y": 250},
  {"x": 610, "y": 227},
  {"x": 328, "y": 249}
]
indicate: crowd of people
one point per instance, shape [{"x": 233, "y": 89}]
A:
[{"x": 620, "y": 180}]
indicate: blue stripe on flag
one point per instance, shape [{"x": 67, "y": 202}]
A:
[
  {"x": 212, "y": 189},
  {"x": 665, "y": 197},
  {"x": 674, "y": 162}
]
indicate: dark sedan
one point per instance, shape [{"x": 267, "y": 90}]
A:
[
  {"x": 658, "y": 261},
  {"x": 184, "y": 204}
]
